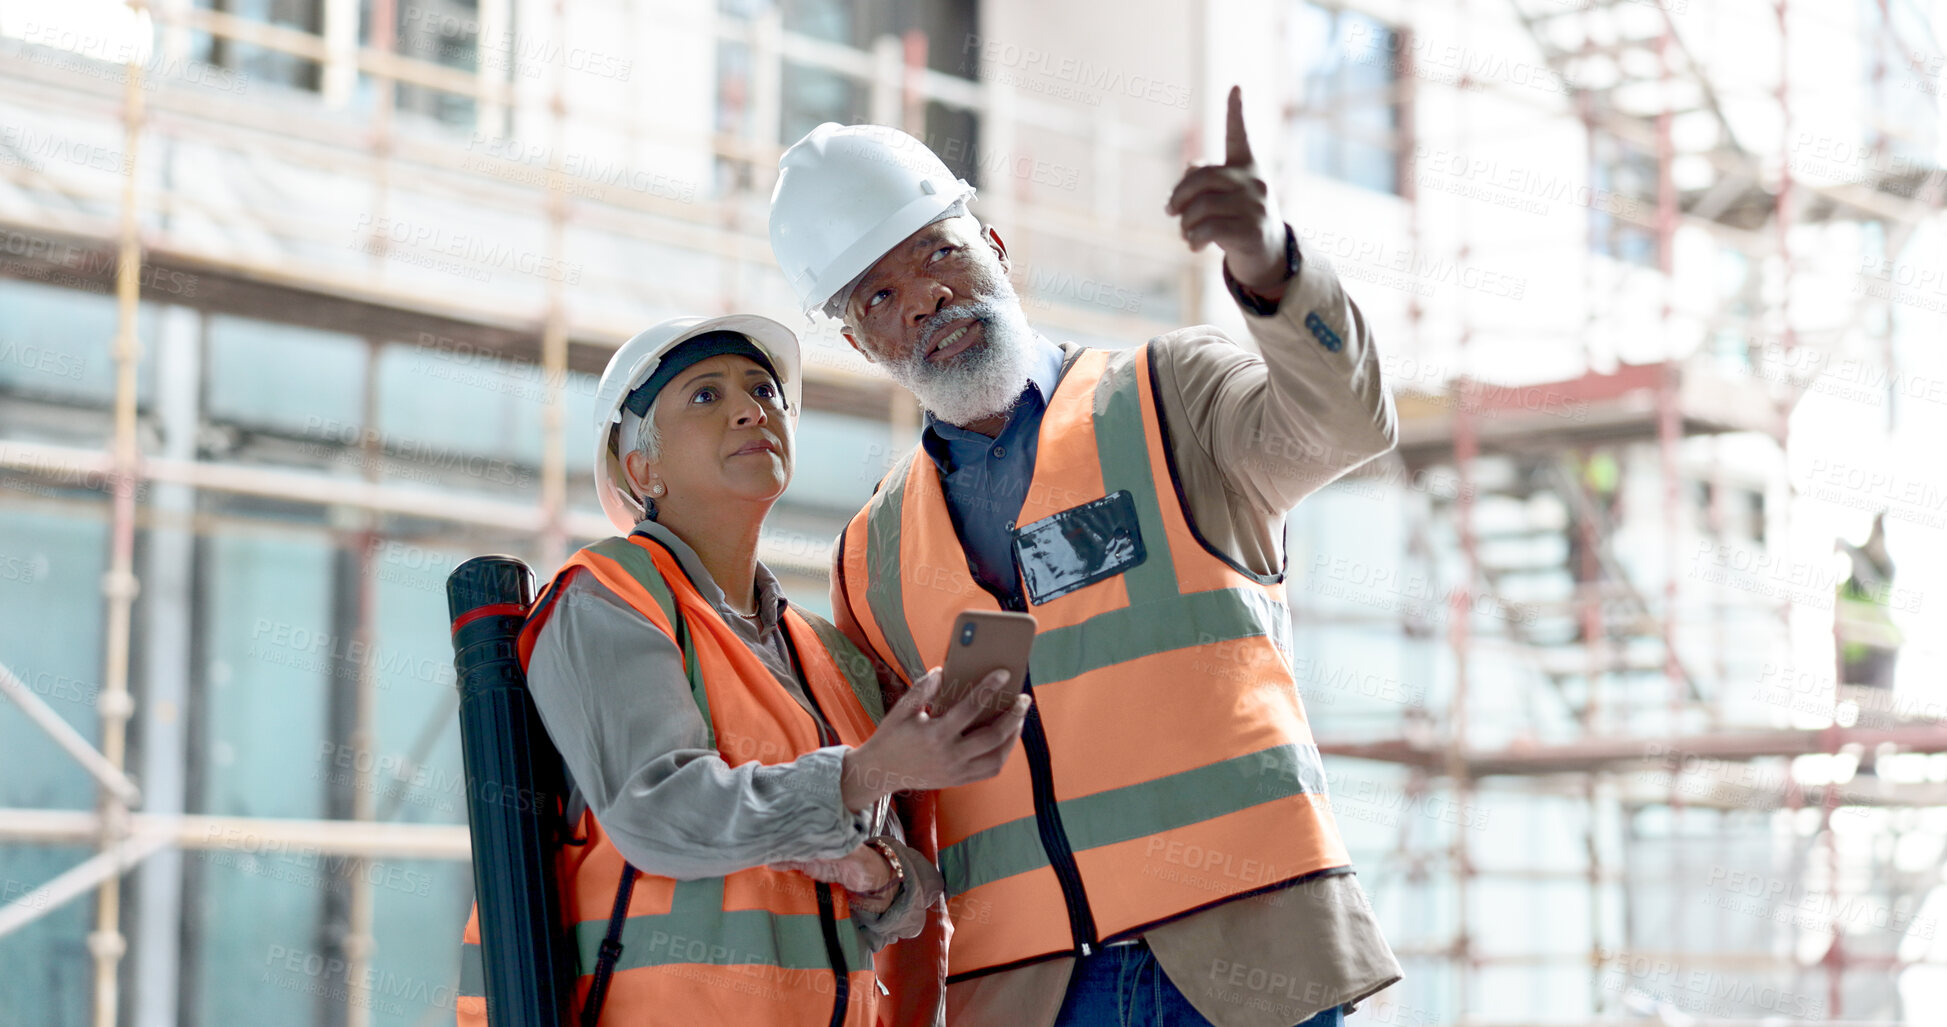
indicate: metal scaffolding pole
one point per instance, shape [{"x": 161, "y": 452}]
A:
[
  {"x": 104, "y": 770},
  {"x": 554, "y": 339},
  {"x": 1608, "y": 742},
  {"x": 168, "y": 627},
  {"x": 251, "y": 835},
  {"x": 357, "y": 943},
  {"x": 119, "y": 584},
  {"x": 104, "y": 868}
]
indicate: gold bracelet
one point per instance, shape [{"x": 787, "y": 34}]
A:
[{"x": 891, "y": 887}]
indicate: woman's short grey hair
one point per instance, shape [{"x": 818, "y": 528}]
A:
[{"x": 648, "y": 437}]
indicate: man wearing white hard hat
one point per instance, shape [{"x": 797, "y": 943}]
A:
[
  {"x": 1165, "y": 853},
  {"x": 731, "y": 751}
]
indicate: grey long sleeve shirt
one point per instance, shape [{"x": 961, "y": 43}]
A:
[{"x": 610, "y": 687}]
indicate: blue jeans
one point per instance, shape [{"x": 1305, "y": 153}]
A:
[{"x": 1121, "y": 986}]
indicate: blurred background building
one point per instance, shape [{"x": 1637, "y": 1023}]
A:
[{"x": 1629, "y": 657}]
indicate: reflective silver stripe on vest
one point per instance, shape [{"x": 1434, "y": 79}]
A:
[
  {"x": 473, "y": 971},
  {"x": 1138, "y": 811},
  {"x": 641, "y": 566},
  {"x": 1122, "y": 447},
  {"x": 884, "y": 585},
  {"x": 1177, "y": 622},
  {"x": 1159, "y": 618},
  {"x": 854, "y": 666},
  {"x": 698, "y": 930}
]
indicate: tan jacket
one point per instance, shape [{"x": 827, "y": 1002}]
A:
[{"x": 1252, "y": 436}]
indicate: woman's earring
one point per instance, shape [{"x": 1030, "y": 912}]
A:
[{"x": 656, "y": 487}]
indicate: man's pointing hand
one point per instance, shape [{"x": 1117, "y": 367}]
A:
[{"x": 1231, "y": 205}]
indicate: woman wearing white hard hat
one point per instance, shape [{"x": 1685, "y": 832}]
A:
[{"x": 730, "y": 748}]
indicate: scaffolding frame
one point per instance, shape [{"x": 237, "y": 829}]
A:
[
  {"x": 1457, "y": 431},
  {"x": 557, "y": 337}
]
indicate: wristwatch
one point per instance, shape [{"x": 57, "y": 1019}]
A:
[
  {"x": 892, "y": 860},
  {"x": 1251, "y": 301}
]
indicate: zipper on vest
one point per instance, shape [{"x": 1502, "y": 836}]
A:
[
  {"x": 1047, "y": 816},
  {"x": 828, "y": 922},
  {"x": 1054, "y": 838}
]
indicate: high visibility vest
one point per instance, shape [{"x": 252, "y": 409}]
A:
[
  {"x": 758, "y": 946},
  {"x": 1168, "y": 762}
]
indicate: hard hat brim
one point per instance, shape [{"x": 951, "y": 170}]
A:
[{"x": 859, "y": 257}]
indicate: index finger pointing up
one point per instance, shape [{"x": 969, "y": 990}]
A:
[{"x": 1237, "y": 147}]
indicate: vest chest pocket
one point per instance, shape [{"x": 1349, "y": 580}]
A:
[{"x": 1079, "y": 547}]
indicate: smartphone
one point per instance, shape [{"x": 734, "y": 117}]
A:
[{"x": 984, "y": 642}]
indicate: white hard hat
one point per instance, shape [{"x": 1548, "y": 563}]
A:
[
  {"x": 847, "y": 194},
  {"x": 636, "y": 360}
]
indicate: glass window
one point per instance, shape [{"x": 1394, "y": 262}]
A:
[
  {"x": 733, "y": 112},
  {"x": 416, "y": 923},
  {"x": 812, "y": 96},
  {"x": 299, "y": 380},
  {"x": 447, "y": 32},
  {"x": 416, "y": 737},
  {"x": 260, "y": 63},
  {"x": 51, "y": 562},
  {"x": 952, "y": 31},
  {"x": 859, "y": 23},
  {"x": 953, "y": 133},
  {"x": 839, "y": 459},
  {"x": 420, "y": 906},
  {"x": 835, "y": 21},
  {"x": 418, "y": 909},
  {"x": 274, "y": 723},
  {"x": 255, "y": 906},
  {"x": 50, "y": 974},
  {"x": 50, "y": 585},
  {"x": 733, "y": 86},
  {"x": 453, "y": 408},
  {"x": 261, "y": 722},
  {"x": 1348, "y": 117},
  {"x": 273, "y": 654},
  {"x": 60, "y": 343},
  {"x": 1627, "y": 172}
]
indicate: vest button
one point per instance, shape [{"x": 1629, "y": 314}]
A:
[{"x": 1000, "y": 452}]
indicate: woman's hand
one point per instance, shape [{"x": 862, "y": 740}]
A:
[
  {"x": 914, "y": 750},
  {"x": 861, "y": 872}
]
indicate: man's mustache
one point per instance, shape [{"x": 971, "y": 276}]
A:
[{"x": 981, "y": 310}]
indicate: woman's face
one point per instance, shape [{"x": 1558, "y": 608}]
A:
[{"x": 726, "y": 437}]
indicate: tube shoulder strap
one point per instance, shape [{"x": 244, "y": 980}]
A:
[
  {"x": 642, "y": 568},
  {"x": 611, "y": 950}
]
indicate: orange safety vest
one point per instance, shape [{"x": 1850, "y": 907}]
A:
[
  {"x": 758, "y": 946},
  {"x": 1168, "y": 762}
]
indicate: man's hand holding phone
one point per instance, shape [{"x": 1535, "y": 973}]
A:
[{"x": 916, "y": 750}]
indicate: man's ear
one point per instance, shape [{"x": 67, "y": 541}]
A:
[
  {"x": 994, "y": 240},
  {"x": 846, "y": 330}
]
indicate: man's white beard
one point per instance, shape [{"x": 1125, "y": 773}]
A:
[{"x": 981, "y": 382}]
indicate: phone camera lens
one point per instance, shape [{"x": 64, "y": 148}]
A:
[{"x": 966, "y": 634}]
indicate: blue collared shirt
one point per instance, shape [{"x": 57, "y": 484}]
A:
[{"x": 986, "y": 480}]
